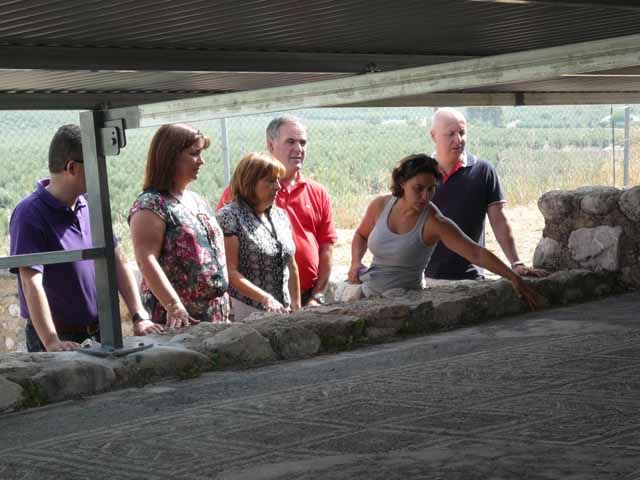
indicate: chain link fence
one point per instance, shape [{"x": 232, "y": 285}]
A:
[{"x": 352, "y": 151}]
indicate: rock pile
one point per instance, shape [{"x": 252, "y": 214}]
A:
[{"x": 596, "y": 228}]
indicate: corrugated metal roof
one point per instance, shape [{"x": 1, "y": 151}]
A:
[{"x": 411, "y": 26}]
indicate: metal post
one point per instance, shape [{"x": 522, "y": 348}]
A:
[
  {"x": 225, "y": 151},
  {"x": 627, "y": 119},
  {"x": 613, "y": 146},
  {"x": 101, "y": 229}
]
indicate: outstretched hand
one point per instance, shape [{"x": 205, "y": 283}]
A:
[
  {"x": 272, "y": 305},
  {"x": 177, "y": 317},
  {"x": 528, "y": 294},
  {"x": 525, "y": 271},
  {"x": 354, "y": 273},
  {"x": 57, "y": 345},
  {"x": 146, "y": 327}
]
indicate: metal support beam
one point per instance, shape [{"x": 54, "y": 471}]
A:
[
  {"x": 627, "y": 145},
  {"x": 176, "y": 60},
  {"x": 95, "y": 166},
  {"x": 85, "y": 100},
  {"x": 506, "y": 99},
  {"x": 608, "y": 4},
  {"x": 224, "y": 140},
  {"x": 531, "y": 65},
  {"x": 48, "y": 258},
  {"x": 88, "y": 101}
]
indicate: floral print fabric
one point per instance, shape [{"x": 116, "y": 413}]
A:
[
  {"x": 192, "y": 257},
  {"x": 266, "y": 247}
]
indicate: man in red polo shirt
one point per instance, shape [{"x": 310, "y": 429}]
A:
[{"x": 307, "y": 205}]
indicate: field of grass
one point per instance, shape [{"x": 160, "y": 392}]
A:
[{"x": 351, "y": 151}]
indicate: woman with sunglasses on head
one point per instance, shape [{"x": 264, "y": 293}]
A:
[
  {"x": 402, "y": 230},
  {"x": 177, "y": 241},
  {"x": 258, "y": 240}
]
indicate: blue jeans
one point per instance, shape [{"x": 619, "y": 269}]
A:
[{"x": 35, "y": 345}]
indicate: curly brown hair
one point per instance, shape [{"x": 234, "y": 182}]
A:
[{"x": 409, "y": 167}]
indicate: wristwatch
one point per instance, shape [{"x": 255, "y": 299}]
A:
[
  {"x": 318, "y": 297},
  {"x": 136, "y": 317}
]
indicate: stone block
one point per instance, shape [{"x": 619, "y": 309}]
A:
[
  {"x": 421, "y": 319},
  {"x": 160, "y": 362},
  {"x": 335, "y": 331},
  {"x": 480, "y": 301},
  {"x": 383, "y": 317},
  {"x": 10, "y": 394},
  {"x": 69, "y": 375},
  {"x": 288, "y": 340},
  {"x": 21, "y": 365},
  {"x": 568, "y": 286},
  {"x": 192, "y": 337},
  {"x": 596, "y": 248},
  {"x": 631, "y": 277},
  {"x": 239, "y": 345},
  {"x": 630, "y": 203},
  {"x": 548, "y": 254},
  {"x": 557, "y": 205},
  {"x": 598, "y": 200}
]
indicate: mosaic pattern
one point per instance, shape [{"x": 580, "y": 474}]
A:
[{"x": 537, "y": 407}]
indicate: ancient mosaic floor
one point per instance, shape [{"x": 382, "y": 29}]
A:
[{"x": 553, "y": 395}]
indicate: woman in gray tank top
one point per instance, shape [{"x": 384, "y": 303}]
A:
[{"x": 402, "y": 230}]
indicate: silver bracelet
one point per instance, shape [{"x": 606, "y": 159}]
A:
[{"x": 517, "y": 263}]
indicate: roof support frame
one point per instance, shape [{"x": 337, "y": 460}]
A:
[
  {"x": 73, "y": 101},
  {"x": 95, "y": 165},
  {"x": 184, "y": 60},
  {"x": 421, "y": 82},
  {"x": 506, "y": 99},
  {"x": 615, "y": 4},
  {"x": 364, "y": 90}
]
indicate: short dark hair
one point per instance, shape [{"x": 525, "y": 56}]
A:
[
  {"x": 409, "y": 167},
  {"x": 252, "y": 168},
  {"x": 65, "y": 145},
  {"x": 166, "y": 146}
]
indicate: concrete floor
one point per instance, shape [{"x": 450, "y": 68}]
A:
[{"x": 550, "y": 395}]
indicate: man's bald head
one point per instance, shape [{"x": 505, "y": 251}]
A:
[
  {"x": 446, "y": 115},
  {"x": 449, "y": 134}
]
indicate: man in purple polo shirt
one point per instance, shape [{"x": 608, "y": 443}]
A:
[
  {"x": 469, "y": 192},
  {"x": 59, "y": 300}
]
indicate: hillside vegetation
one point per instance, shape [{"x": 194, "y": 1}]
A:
[{"x": 351, "y": 151}]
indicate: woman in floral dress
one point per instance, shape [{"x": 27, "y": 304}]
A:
[
  {"x": 177, "y": 241},
  {"x": 258, "y": 241}
]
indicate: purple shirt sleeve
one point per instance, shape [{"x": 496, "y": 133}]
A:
[{"x": 26, "y": 236}]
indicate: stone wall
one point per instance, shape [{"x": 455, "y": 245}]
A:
[
  {"x": 28, "y": 380},
  {"x": 596, "y": 228},
  {"x": 11, "y": 325}
]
